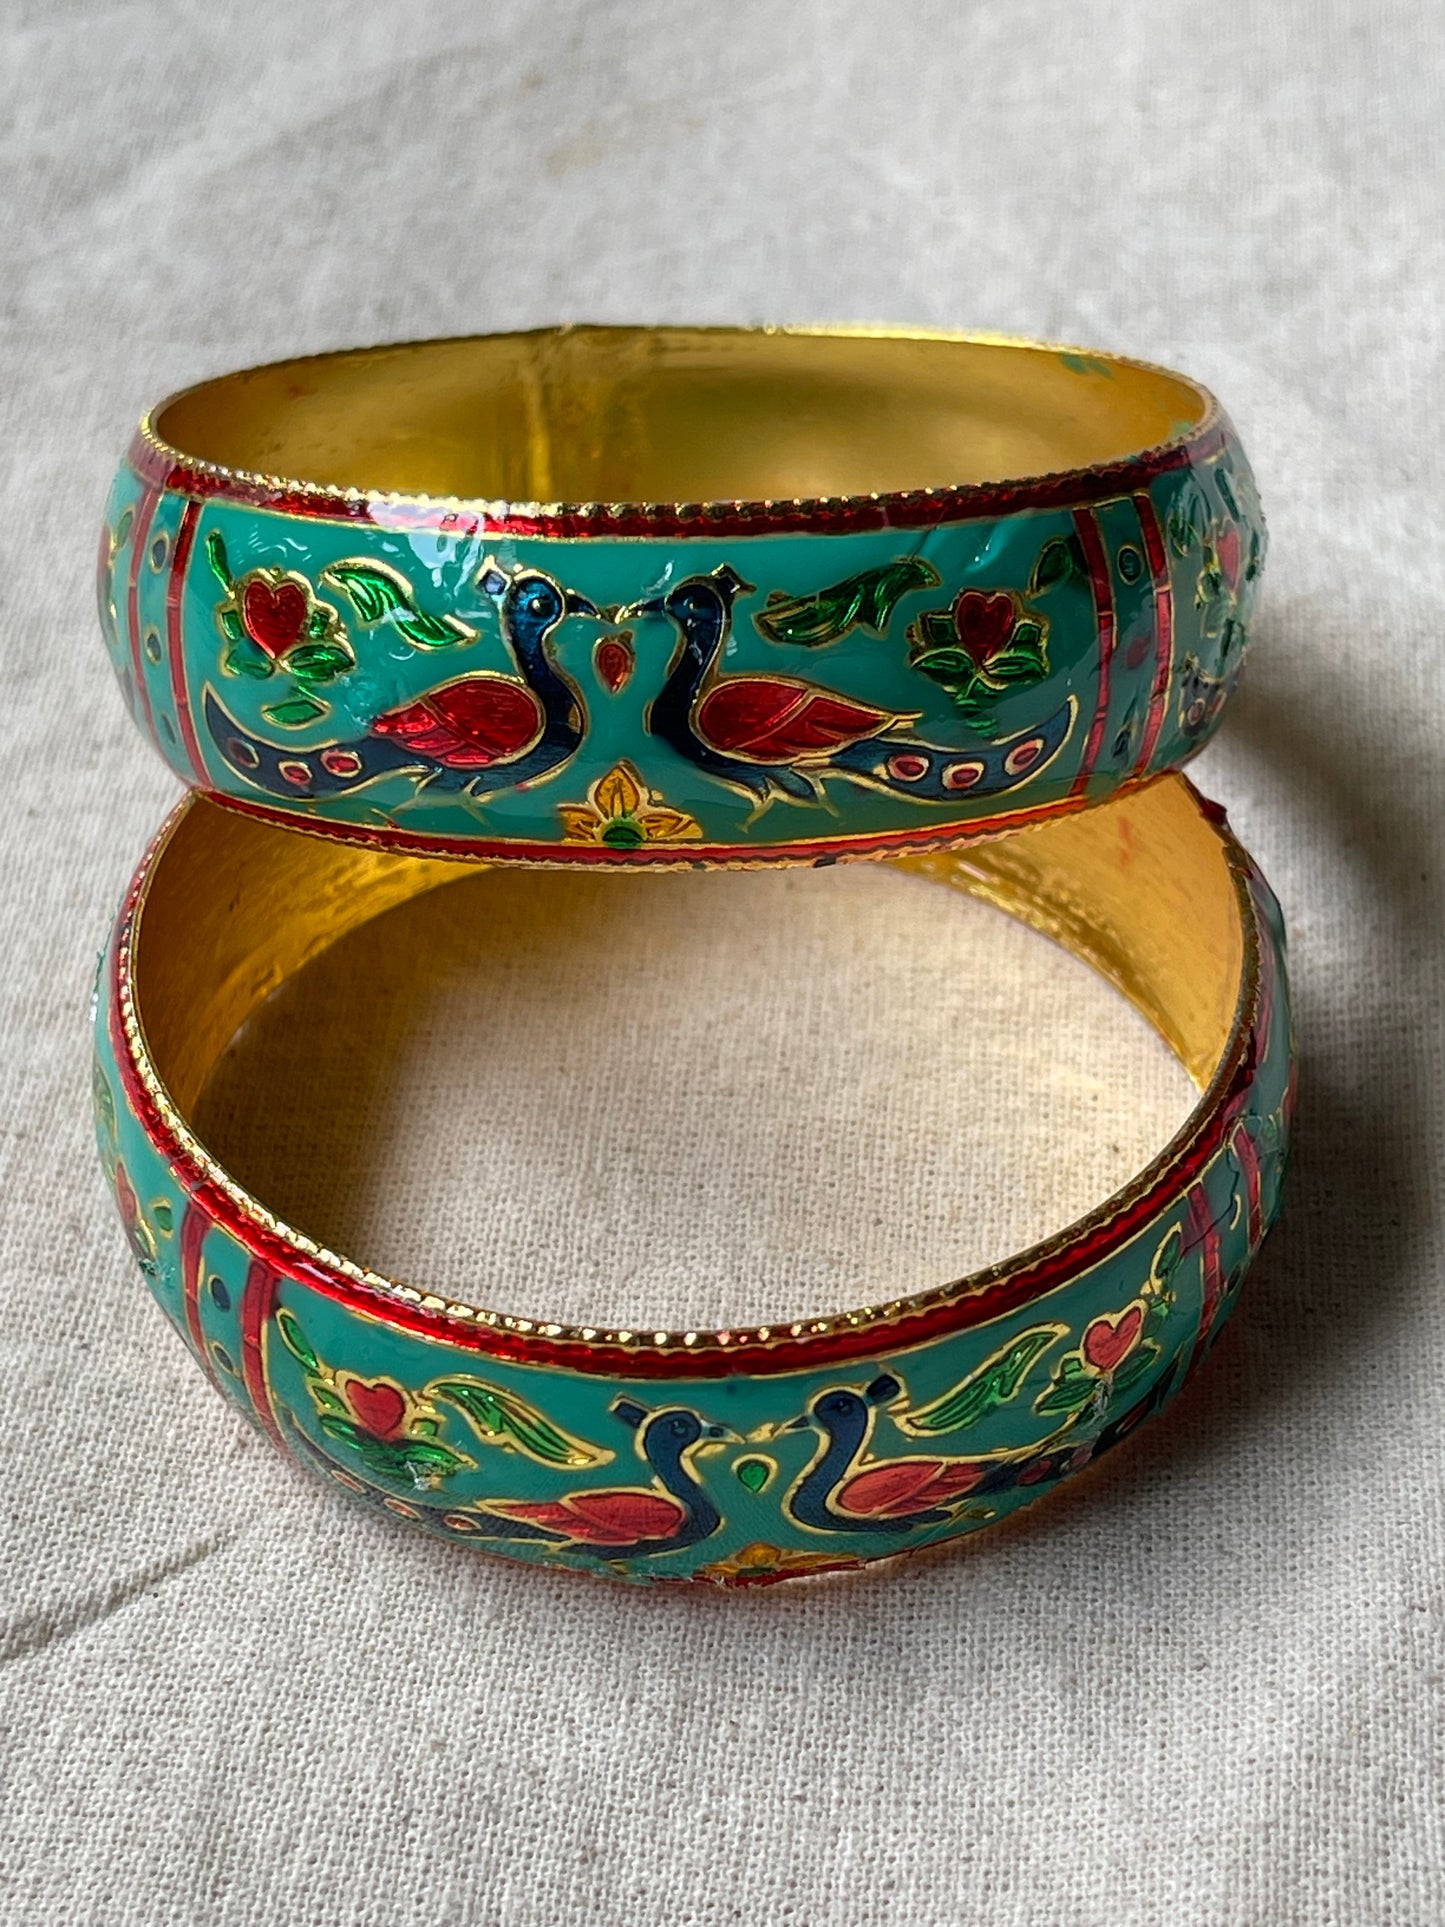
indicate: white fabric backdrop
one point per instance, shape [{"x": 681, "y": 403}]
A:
[{"x": 1210, "y": 1688}]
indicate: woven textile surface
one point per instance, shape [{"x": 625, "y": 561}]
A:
[{"x": 1205, "y": 1687}]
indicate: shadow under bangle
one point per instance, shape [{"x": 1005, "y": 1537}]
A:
[
  {"x": 738, "y": 1456},
  {"x": 680, "y": 596}
]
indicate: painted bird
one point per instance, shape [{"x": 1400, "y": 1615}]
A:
[
  {"x": 841, "y": 1491},
  {"x": 773, "y": 736},
  {"x": 627, "y": 1522},
  {"x": 478, "y": 733}
]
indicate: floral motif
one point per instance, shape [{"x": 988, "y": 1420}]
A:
[
  {"x": 621, "y": 813},
  {"x": 1116, "y": 1349},
  {"x": 757, "y": 1564},
  {"x": 395, "y": 1432},
  {"x": 392, "y": 1433},
  {"x": 272, "y": 620},
  {"x": 981, "y": 647}
]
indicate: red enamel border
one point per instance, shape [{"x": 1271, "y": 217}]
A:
[
  {"x": 140, "y": 531},
  {"x": 1090, "y": 539},
  {"x": 195, "y": 1223},
  {"x": 180, "y": 559},
  {"x": 275, "y": 1259},
  {"x": 1163, "y": 626},
  {"x": 163, "y": 468}
]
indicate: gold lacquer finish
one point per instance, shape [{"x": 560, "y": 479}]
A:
[{"x": 680, "y": 415}]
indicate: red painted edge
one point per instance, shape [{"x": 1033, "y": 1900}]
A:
[
  {"x": 1163, "y": 627},
  {"x": 1204, "y": 1233},
  {"x": 140, "y": 535},
  {"x": 836, "y": 515},
  {"x": 180, "y": 558},
  {"x": 1098, "y": 564},
  {"x": 1249, "y": 1164},
  {"x": 258, "y": 1302}
]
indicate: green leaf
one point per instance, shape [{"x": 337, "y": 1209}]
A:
[
  {"x": 1013, "y": 665},
  {"x": 295, "y": 713},
  {"x": 994, "y": 1383},
  {"x": 1058, "y": 561},
  {"x": 936, "y": 628},
  {"x": 432, "y": 632},
  {"x": 1135, "y": 1366},
  {"x": 1226, "y": 494},
  {"x": 1067, "y": 1394},
  {"x": 294, "y": 1339},
  {"x": 318, "y": 623},
  {"x": 1169, "y": 1256},
  {"x": 948, "y": 664},
  {"x": 865, "y": 601},
  {"x": 216, "y": 556},
  {"x": 374, "y": 591},
  {"x": 377, "y": 591},
  {"x": 246, "y": 658},
  {"x": 979, "y": 719},
  {"x": 319, "y": 661},
  {"x": 406, "y": 1462},
  {"x": 1187, "y": 519},
  {"x": 503, "y": 1419},
  {"x": 326, "y": 1399},
  {"x": 232, "y": 624}
]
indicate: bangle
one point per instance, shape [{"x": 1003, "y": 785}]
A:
[
  {"x": 810, "y": 595},
  {"x": 737, "y": 1456}
]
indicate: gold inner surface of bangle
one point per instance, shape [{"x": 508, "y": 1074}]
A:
[
  {"x": 1145, "y": 889},
  {"x": 680, "y": 415}
]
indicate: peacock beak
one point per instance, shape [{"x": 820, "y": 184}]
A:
[
  {"x": 798, "y": 1424},
  {"x": 649, "y": 606},
  {"x": 580, "y": 605}
]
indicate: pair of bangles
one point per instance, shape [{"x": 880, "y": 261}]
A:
[{"x": 691, "y": 597}]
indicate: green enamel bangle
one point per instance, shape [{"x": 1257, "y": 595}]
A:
[
  {"x": 733, "y": 1456},
  {"x": 680, "y": 596}
]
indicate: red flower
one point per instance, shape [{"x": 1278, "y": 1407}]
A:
[
  {"x": 378, "y": 1406},
  {"x": 1108, "y": 1341},
  {"x": 983, "y": 624},
  {"x": 274, "y": 615}
]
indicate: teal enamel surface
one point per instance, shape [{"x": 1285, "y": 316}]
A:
[
  {"x": 1088, "y": 646},
  {"x": 470, "y": 1445}
]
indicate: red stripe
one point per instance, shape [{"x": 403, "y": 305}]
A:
[
  {"x": 258, "y": 1301},
  {"x": 1098, "y": 565},
  {"x": 1205, "y": 1233},
  {"x": 1163, "y": 627},
  {"x": 1249, "y": 1164},
  {"x": 180, "y": 557},
  {"x": 828, "y": 515},
  {"x": 819, "y": 851},
  {"x": 194, "y": 1226},
  {"x": 140, "y": 534}
]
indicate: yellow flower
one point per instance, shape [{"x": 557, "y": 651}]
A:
[
  {"x": 758, "y": 1564},
  {"x": 621, "y": 813}
]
